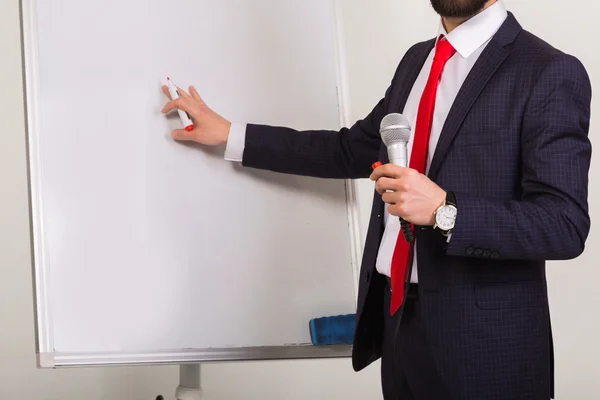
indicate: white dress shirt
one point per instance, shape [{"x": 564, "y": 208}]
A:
[{"x": 469, "y": 39}]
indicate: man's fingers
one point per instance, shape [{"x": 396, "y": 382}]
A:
[
  {"x": 195, "y": 94},
  {"x": 384, "y": 184},
  {"x": 389, "y": 198},
  {"x": 177, "y": 103},
  {"x": 184, "y": 102},
  {"x": 182, "y": 93},
  {"x": 182, "y": 135},
  {"x": 389, "y": 170},
  {"x": 170, "y": 106},
  {"x": 165, "y": 90},
  {"x": 392, "y": 171}
]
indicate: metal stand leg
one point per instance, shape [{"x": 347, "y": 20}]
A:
[{"x": 189, "y": 383}]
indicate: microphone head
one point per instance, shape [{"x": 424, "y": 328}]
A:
[{"x": 394, "y": 129}]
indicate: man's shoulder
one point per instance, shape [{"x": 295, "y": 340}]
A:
[
  {"x": 543, "y": 70},
  {"x": 532, "y": 45},
  {"x": 537, "y": 55}
]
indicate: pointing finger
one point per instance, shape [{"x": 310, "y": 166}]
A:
[{"x": 165, "y": 90}]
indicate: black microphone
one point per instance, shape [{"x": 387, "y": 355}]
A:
[{"x": 395, "y": 132}]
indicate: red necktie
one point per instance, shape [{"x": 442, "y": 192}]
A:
[{"x": 418, "y": 158}]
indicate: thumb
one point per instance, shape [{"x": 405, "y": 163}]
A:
[{"x": 183, "y": 135}]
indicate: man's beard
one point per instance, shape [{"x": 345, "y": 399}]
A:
[{"x": 458, "y": 8}]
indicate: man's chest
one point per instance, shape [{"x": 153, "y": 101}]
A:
[{"x": 448, "y": 87}]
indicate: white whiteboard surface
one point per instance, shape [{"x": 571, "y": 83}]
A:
[{"x": 150, "y": 251}]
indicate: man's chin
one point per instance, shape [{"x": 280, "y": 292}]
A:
[{"x": 458, "y": 8}]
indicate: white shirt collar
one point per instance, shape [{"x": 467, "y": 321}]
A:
[{"x": 476, "y": 31}]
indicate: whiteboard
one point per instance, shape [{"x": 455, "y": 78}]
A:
[{"x": 149, "y": 251}]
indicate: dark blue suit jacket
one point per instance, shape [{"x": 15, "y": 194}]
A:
[{"x": 515, "y": 150}]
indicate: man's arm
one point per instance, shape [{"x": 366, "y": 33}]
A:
[
  {"x": 551, "y": 220},
  {"x": 348, "y": 153}
]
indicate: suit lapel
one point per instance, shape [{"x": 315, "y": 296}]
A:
[
  {"x": 486, "y": 66},
  {"x": 406, "y": 78}
]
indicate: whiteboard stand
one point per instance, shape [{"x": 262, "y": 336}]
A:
[{"x": 189, "y": 382}]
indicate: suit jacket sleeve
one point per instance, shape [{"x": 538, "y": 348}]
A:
[
  {"x": 347, "y": 153},
  {"x": 550, "y": 221}
]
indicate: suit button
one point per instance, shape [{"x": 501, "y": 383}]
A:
[
  {"x": 478, "y": 252},
  {"x": 495, "y": 254},
  {"x": 470, "y": 251},
  {"x": 367, "y": 276},
  {"x": 487, "y": 253}
]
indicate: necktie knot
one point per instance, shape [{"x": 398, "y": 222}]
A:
[{"x": 443, "y": 50}]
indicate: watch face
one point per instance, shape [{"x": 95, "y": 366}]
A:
[{"x": 445, "y": 217}]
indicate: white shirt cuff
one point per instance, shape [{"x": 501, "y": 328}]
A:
[{"x": 236, "y": 142}]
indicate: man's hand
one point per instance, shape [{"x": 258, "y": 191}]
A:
[
  {"x": 209, "y": 127},
  {"x": 410, "y": 195}
]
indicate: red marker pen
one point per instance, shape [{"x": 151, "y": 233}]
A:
[
  {"x": 377, "y": 165},
  {"x": 185, "y": 118}
]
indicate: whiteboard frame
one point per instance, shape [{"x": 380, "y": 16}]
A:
[{"x": 46, "y": 355}]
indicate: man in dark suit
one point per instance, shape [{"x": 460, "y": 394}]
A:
[{"x": 497, "y": 184}]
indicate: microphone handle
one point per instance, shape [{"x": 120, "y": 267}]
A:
[{"x": 398, "y": 156}]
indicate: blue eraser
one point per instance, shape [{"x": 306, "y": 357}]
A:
[{"x": 337, "y": 329}]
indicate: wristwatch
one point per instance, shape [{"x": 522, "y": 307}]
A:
[{"x": 445, "y": 216}]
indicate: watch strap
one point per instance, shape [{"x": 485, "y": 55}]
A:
[{"x": 451, "y": 198}]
